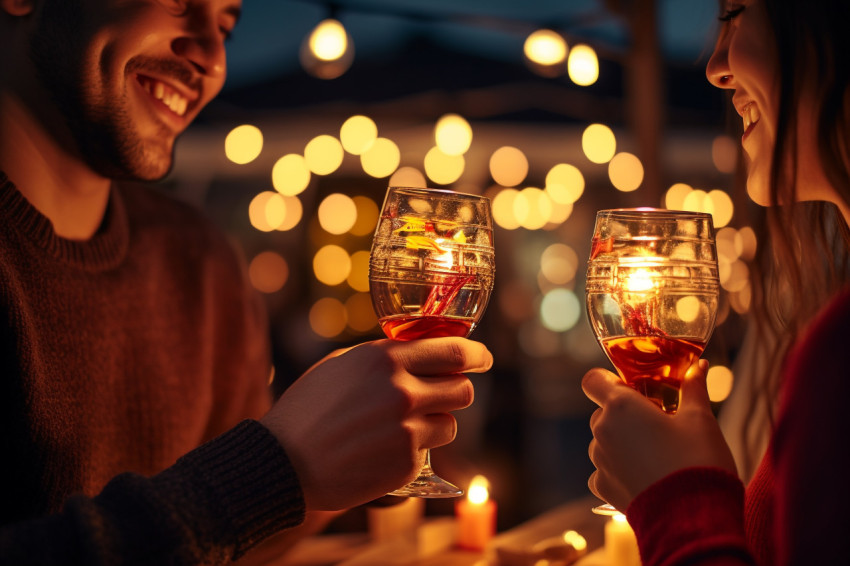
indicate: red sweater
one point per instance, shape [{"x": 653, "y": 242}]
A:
[
  {"x": 794, "y": 511},
  {"x": 119, "y": 355}
]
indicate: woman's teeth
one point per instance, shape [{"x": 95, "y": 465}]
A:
[{"x": 751, "y": 115}]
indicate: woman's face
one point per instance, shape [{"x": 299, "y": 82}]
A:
[{"x": 745, "y": 60}]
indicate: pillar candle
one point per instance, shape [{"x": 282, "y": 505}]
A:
[
  {"x": 620, "y": 543},
  {"x": 476, "y": 516},
  {"x": 389, "y": 522}
]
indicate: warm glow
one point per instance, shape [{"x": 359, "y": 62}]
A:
[
  {"x": 408, "y": 177},
  {"x": 367, "y": 216},
  {"x": 443, "y": 168},
  {"x": 640, "y": 281},
  {"x": 545, "y": 47},
  {"x": 479, "y": 490},
  {"x": 532, "y": 208},
  {"x": 293, "y": 211},
  {"x": 361, "y": 314},
  {"x": 257, "y": 211},
  {"x": 358, "y": 279},
  {"x": 559, "y": 310},
  {"x": 748, "y": 243},
  {"x": 323, "y": 155},
  {"x": 740, "y": 300},
  {"x": 290, "y": 175},
  {"x": 724, "y": 154},
  {"x": 722, "y": 208},
  {"x": 729, "y": 243},
  {"x": 626, "y": 172},
  {"x": 619, "y": 518},
  {"x": 357, "y": 134},
  {"x": 268, "y": 272},
  {"x": 564, "y": 183},
  {"x": 583, "y": 65},
  {"x": 503, "y": 209},
  {"x": 337, "y": 213},
  {"x": 508, "y": 166},
  {"x": 328, "y": 317},
  {"x": 560, "y": 213},
  {"x": 688, "y": 308},
  {"x": 737, "y": 278},
  {"x": 575, "y": 540},
  {"x": 453, "y": 134},
  {"x": 329, "y": 40},
  {"x": 695, "y": 201},
  {"x": 331, "y": 265},
  {"x": 243, "y": 144},
  {"x": 719, "y": 381},
  {"x": 676, "y": 195},
  {"x": 381, "y": 159},
  {"x": 558, "y": 264},
  {"x": 599, "y": 143}
]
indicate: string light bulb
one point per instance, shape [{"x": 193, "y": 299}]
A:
[{"x": 328, "y": 51}]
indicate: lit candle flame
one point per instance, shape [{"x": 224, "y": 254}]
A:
[
  {"x": 575, "y": 540},
  {"x": 479, "y": 490}
]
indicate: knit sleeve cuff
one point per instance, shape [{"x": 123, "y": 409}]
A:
[
  {"x": 692, "y": 512},
  {"x": 240, "y": 485}
]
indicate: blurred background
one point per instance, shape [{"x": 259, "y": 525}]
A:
[{"x": 553, "y": 108}]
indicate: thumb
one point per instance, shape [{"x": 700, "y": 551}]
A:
[{"x": 694, "y": 389}]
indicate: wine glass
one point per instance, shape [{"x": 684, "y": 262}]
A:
[
  {"x": 431, "y": 272},
  {"x": 652, "y": 293}
]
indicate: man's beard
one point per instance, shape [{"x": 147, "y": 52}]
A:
[{"x": 104, "y": 133}]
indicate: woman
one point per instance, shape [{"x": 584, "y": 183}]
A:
[{"x": 787, "y": 64}]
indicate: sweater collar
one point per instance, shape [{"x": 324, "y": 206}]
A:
[{"x": 105, "y": 250}]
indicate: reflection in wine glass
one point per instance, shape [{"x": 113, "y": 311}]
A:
[
  {"x": 652, "y": 293},
  {"x": 431, "y": 273}
]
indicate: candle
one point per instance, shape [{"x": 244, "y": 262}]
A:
[
  {"x": 388, "y": 522},
  {"x": 620, "y": 543},
  {"x": 476, "y": 516}
]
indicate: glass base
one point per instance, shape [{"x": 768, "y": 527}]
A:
[
  {"x": 607, "y": 509},
  {"x": 428, "y": 485}
]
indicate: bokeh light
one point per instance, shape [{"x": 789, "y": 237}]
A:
[
  {"x": 583, "y": 65},
  {"x": 558, "y": 264},
  {"x": 564, "y": 183},
  {"x": 337, "y": 213},
  {"x": 674, "y": 198},
  {"x": 545, "y": 47},
  {"x": 503, "y": 209},
  {"x": 331, "y": 265},
  {"x": 357, "y": 134},
  {"x": 721, "y": 209},
  {"x": 453, "y": 134},
  {"x": 719, "y": 381},
  {"x": 508, "y": 166},
  {"x": 361, "y": 315},
  {"x": 443, "y": 168},
  {"x": 532, "y": 208},
  {"x": 323, "y": 154},
  {"x": 328, "y": 317},
  {"x": 724, "y": 154},
  {"x": 293, "y": 212},
  {"x": 290, "y": 175},
  {"x": 329, "y": 40},
  {"x": 367, "y": 216},
  {"x": 748, "y": 243},
  {"x": 257, "y": 211},
  {"x": 381, "y": 159},
  {"x": 408, "y": 177},
  {"x": 559, "y": 310},
  {"x": 243, "y": 144},
  {"x": 358, "y": 278},
  {"x": 268, "y": 272},
  {"x": 625, "y": 171},
  {"x": 688, "y": 308},
  {"x": 599, "y": 143}
]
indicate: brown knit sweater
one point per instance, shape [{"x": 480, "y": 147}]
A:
[{"x": 119, "y": 355}]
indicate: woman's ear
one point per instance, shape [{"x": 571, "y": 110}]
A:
[{"x": 17, "y": 7}]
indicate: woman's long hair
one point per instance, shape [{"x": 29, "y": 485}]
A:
[{"x": 805, "y": 259}]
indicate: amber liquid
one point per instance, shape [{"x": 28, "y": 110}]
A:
[
  {"x": 414, "y": 327},
  {"x": 654, "y": 365}
]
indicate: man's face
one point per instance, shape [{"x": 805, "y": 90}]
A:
[{"x": 128, "y": 76}]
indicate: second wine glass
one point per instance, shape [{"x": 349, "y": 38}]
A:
[
  {"x": 431, "y": 273},
  {"x": 652, "y": 293}
]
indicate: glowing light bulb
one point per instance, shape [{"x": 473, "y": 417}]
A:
[{"x": 329, "y": 40}]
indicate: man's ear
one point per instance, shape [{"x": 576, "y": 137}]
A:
[{"x": 17, "y": 7}]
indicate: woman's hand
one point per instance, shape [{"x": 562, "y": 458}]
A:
[
  {"x": 636, "y": 444},
  {"x": 356, "y": 425}
]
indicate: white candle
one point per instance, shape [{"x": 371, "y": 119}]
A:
[
  {"x": 389, "y": 522},
  {"x": 476, "y": 516},
  {"x": 620, "y": 543}
]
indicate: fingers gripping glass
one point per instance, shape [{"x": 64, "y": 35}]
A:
[
  {"x": 652, "y": 293},
  {"x": 431, "y": 273}
]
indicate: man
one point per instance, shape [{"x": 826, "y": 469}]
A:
[{"x": 128, "y": 333}]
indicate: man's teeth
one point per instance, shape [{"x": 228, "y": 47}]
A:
[
  {"x": 751, "y": 115},
  {"x": 174, "y": 100}
]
